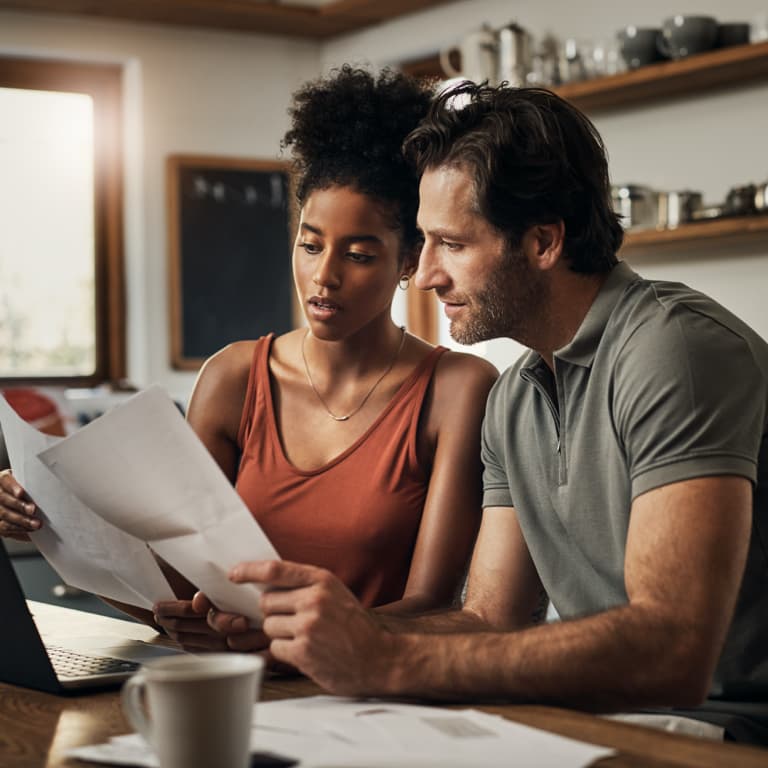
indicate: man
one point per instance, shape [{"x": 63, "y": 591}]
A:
[{"x": 626, "y": 458}]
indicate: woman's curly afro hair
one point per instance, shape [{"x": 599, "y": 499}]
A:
[{"x": 348, "y": 129}]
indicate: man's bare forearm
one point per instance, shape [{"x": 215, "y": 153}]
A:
[
  {"x": 459, "y": 619},
  {"x": 621, "y": 658},
  {"x": 435, "y": 622}
]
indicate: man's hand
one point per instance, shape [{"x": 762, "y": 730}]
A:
[
  {"x": 317, "y": 625},
  {"x": 17, "y": 510},
  {"x": 188, "y": 626}
]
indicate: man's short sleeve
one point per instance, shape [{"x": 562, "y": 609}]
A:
[
  {"x": 495, "y": 482},
  {"x": 689, "y": 400}
]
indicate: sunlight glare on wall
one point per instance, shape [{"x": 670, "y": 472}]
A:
[{"x": 47, "y": 259}]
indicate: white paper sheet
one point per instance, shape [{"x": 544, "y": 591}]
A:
[
  {"x": 145, "y": 471},
  {"x": 334, "y": 732},
  {"x": 85, "y": 550},
  {"x": 672, "y": 724}
]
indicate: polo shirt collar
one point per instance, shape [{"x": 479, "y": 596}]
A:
[{"x": 581, "y": 349}]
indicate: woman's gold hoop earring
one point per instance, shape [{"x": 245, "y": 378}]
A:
[{"x": 403, "y": 282}]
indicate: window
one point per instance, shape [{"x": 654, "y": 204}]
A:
[{"x": 61, "y": 269}]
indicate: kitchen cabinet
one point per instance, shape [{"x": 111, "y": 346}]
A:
[{"x": 722, "y": 68}]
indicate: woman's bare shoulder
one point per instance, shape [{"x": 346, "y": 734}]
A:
[
  {"x": 231, "y": 366},
  {"x": 460, "y": 389},
  {"x": 231, "y": 363},
  {"x": 464, "y": 369}
]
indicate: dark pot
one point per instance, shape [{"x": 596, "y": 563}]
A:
[{"x": 741, "y": 201}]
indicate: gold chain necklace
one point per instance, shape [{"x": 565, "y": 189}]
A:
[{"x": 370, "y": 391}]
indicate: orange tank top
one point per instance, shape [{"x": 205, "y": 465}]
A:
[{"x": 357, "y": 516}]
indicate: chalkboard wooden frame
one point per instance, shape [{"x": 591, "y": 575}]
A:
[{"x": 215, "y": 178}]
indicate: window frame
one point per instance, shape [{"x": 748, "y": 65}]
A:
[{"x": 103, "y": 82}]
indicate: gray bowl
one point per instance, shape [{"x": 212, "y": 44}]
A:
[
  {"x": 683, "y": 36},
  {"x": 639, "y": 45},
  {"x": 732, "y": 33}
]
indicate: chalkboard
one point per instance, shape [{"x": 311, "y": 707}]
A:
[{"x": 229, "y": 240}]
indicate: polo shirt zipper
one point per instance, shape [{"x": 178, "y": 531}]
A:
[{"x": 529, "y": 376}]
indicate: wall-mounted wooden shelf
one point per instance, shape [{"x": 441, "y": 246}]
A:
[
  {"x": 739, "y": 230},
  {"x": 726, "y": 66}
]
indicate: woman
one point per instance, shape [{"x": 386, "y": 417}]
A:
[{"x": 355, "y": 444}]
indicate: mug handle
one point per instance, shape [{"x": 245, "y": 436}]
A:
[
  {"x": 132, "y": 700},
  {"x": 445, "y": 63},
  {"x": 662, "y": 45}
]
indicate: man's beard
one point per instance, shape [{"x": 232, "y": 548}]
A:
[{"x": 505, "y": 306}]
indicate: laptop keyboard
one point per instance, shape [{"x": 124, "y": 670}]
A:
[{"x": 72, "y": 664}]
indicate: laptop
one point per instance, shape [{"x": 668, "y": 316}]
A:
[{"x": 78, "y": 665}]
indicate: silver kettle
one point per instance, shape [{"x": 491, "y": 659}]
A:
[{"x": 515, "y": 46}]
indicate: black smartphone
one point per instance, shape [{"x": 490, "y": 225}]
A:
[{"x": 271, "y": 760}]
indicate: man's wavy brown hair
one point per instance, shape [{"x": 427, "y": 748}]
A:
[{"x": 535, "y": 159}]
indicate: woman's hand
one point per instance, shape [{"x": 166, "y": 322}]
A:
[
  {"x": 236, "y": 629},
  {"x": 188, "y": 626},
  {"x": 17, "y": 510}
]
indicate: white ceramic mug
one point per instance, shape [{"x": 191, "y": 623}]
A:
[
  {"x": 199, "y": 708},
  {"x": 479, "y": 57}
]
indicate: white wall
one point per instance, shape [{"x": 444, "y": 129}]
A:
[
  {"x": 707, "y": 141},
  {"x": 186, "y": 91}
]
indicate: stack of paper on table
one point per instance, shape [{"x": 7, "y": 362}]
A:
[
  {"x": 138, "y": 475},
  {"x": 328, "y": 731}
]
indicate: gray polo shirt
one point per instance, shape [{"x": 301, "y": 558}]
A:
[{"x": 659, "y": 384}]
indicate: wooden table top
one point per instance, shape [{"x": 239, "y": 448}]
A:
[{"x": 36, "y": 729}]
